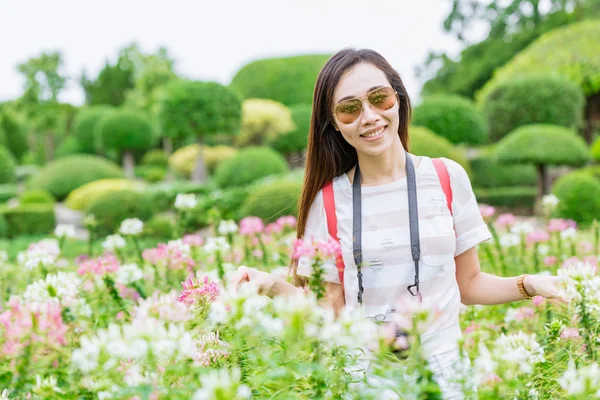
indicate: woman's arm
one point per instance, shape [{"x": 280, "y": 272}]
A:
[{"x": 478, "y": 287}]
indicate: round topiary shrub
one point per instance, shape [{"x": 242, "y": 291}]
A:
[
  {"x": 127, "y": 130},
  {"x": 36, "y": 196},
  {"x": 295, "y": 141},
  {"x": 273, "y": 200},
  {"x": 288, "y": 80},
  {"x": 424, "y": 142},
  {"x": 579, "y": 195},
  {"x": 82, "y": 197},
  {"x": 86, "y": 125},
  {"x": 7, "y": 166},
  {"x": 111, "y": 209},
  {"x": 156, "y": 157},
  {"x": 29, "y": 219},
  {"x": 183, "y": 161},
  {"x": 532, "y": 100},
  {"x": 249, "y": 165},
  {"x": 60, "y": 177},
  {"x": 67, "y": 147},
  {"x": 452, "y": 117},
  {"x": 159, "y": 226},
  {"x": 488, "y": 172},
  {"x": 151, "y": 173}
]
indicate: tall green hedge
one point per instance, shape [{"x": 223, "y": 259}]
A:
[
  {"x": 452, "y": 117},
  {"x": 424, "y": 142},
  {"x": 288, "y": 80},
  {"x": 112, "y": 208},
  {"x": 28, "y": 219},
  {"x": 532, "y": 100}
]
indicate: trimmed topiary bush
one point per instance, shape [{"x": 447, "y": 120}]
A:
[
  {"x": 163, "y": 194},
  {"x": 532, "y": 100},
  {"x": 151, "y": 173},
  {"x": 85, "y": 127},
  {"x": 223, "y": 204},
  {"x": 7, "y": 192},
  {"x": 60, "y": 177},
  {"x": 82, "y": 197},
  {"x": 424, "y": 142},
  {"x": 7, "y": 166},
  {"x": 159, "y": 226},
  {"x": 452, "y": 117},
  {"x": 293, "y": 143},
  {"x": 156, "y": 157},
  {"x": 183, "y": 161},
  {"x": 13, "y": 135},
  {"x": 249, "y": 165},
  {"x": 262, "y": 121},
  {"x": 542, "y": 145},
  {"x": 579, "y": 195},
  {"x": 273, "y": 201},
  {"x": 288, "y": 80},
  {"x": 511, "y": 196},
  {"x": 111, "y": 209},
  {"x": 29, "y": 219},
  {"x": 68, "y": 146},
  {"x": 36, "y": 196},
  {"x": 488, "y": 172}
]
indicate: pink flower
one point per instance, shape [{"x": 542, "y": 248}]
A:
[
  {"x": 250, "y": 226},
  {"x": 524, "y": 313},
  {"x": 198, "y": 293},
  {"x": 538, "y": 300},
  {"x": 303, "y": 248},
  {"x": 329, "y": 249},
  {"x": 550, "y": 261},
  {"x": 592, "y": 260},
  {"x": 99, "y": 266},
  {"x": 193, "y": 240},
  {"x": 571, "y": 261},
  {"x": 586, "y": 246},
  {"x": 491, "y": 379},
  {"x": 570, "y": 333},
  {"x": 486, "y": 211},
  {"x": 273, "y": 228},
  {"x": 257, "y": 253},
  {"x": 174, "y": 255},
  {"x": 538, "y": 236},
  {"x": 505, "y": 220},
  {"x": 287, "y": 221},
  {"x": 557, "y": 225},
  {"x": 471, "y": 328}
]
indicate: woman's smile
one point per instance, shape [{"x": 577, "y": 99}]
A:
[{"x": 374, "y": 134}]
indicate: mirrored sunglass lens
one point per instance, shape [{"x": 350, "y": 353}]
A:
[
  {"x": 347, "y": 111},
  {"x": 383, "y": 98}
]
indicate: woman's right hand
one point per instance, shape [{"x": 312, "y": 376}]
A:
[{"x": 264, "y": 281}]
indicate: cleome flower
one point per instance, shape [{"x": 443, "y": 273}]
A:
[{"x": 131, "y": 227}]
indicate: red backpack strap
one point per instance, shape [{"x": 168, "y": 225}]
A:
[
  {"x": 329, "y": 202},
  {"x": 444, "y": 178}
]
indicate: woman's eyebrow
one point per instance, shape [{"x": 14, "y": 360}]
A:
[{"x": 351, "y": 97}]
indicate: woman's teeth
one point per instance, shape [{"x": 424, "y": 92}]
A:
[{"x": 376, "y": 133}]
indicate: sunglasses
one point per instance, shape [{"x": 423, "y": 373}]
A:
[{"x": 348, "y": 111}]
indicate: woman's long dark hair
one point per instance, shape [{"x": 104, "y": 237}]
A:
[{"x": 328, "y": 154}]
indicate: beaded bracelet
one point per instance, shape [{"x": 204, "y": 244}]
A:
[{"x": 521, "y": 287}]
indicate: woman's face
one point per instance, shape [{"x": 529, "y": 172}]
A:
[{"x": 375, "y": 130}]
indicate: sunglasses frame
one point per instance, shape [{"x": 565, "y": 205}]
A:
[{"x": 366, "y": 95}]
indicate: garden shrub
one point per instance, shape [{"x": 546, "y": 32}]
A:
[
  {"x": 36, "y": 196},
  {"x": 85, "y": 127},
  {"x": 7, "y": 166},
  {"x": 60, "y": 177},
  {"x": 488, "y": 172},
  {"x": 13, "y": 135},
  {"x": 110, "y": 209},
  {"x": 156, "y": 157},
  {"x": 249, "y": 165},
  {"x": 163, "y": 194},
  {"x": 452, "y": 117},
  {"x": 579, "y": 195},
  {"x": 68, "y": 146},
  {"x": 423, "y": 142},
  {"x": 159, "y": 226},
  {"x": 272, "y": 201},
  {"x": 511, "y": 196},
  {"x": 183, "y": 161},
  {"x": 297, "y": 139},
  {"x": 8, "y": 191},
  {"x": 151, "y": 173},
  {"x": 82, "y": 197},
  {"x": 29, "y": 219}
]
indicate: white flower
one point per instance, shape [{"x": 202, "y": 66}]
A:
[
  {"x": 543, "y": 249},
  {"x": 62, "y": 287},
  {"x": 224, "y": 383},
  {"x": 4, "y": 395},
  {"x": 227, "y": 227},
  {"x": 113, "y": 242},
  {"x": 520, "y": 350},
  {"x": 585, "y": 380},
  {"x": 214, "y": 244},
  {"x": 104, "y": 395},
  {"x": 510, "y": 240},
  {"x": 3, "y": 257},
  {"x": 43, "y": 386},
  {"x": 568, "y": 233},
  {"x": 128, "y": 273},
  {"x": 522, "y": 228},
  {"x": 549, "y": 202},
  {"x": 484, "y": 364},
  {"x": 185, "y": 201},
  {"x": 45, "y": 252},
  {"x": 64, "y": 231},
  {"x": 131, "y": 226}
]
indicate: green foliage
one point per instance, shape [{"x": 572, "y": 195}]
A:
[
  {"x": 36, "y": 196},
  {"x": 163, "y": 194},
  {"x": 82, "y": 197},
  {"x": 7, "y": 192},
  {"x": 571, "y": 52},
  {"x": 199, "y": 109},
  {"x": 12, "y": 135},
  {"x": 273, "y": 200},
  {"x": 68, "y": 146},
  {"x": 159, "y": 226},
  {"x": 511, "y": 196},
  {"x": 579, "y": 195},
  {"x": 151, "y": 173},
  {"x": 156, "y": 157},
  {"x": 111, "y": 85},
  {"x": 532, "y": 100},
  {"x": 85, "y": 127},
  {"x": 28, "y": 219},
  {"x": 127, "y": 130},
  {"x": 110, "y": 209},
  {"x": 262, "y": 121},
  {"x": 543, "y": 145},
  {"x": 7, "y": 166},
  {"x": 452, "y": 117},
  {"x": 288, "y": 80},
  {"x": 297, "y": 139},
  {"x": 423, "y": 142},
  {"x": 595, "y": 151},
  {"x": 488, "y": 172},
  {"x": 249, "y": 165},
  {"x": 225, "y": 203},
  {"x": 183, "y": 161},
  {"x": 66, "y": 174}
]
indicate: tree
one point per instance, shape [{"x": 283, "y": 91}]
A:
[
  {"x": 127, "y": 131},
  {"x": 199, "y": 109},
  {"x": 293, "y": 143},
  {"x": 86, "y": 127},
  {"x": 542, "y": 145},
  {"x": 111, "y": 85},
  {"x": 262, "y": 121},
  {"x": 12, "y": 134}
]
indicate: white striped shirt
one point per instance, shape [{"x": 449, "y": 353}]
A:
[{"x": 388, "y": 267}]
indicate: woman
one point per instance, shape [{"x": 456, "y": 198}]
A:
[{"x": 360, "y": 118}]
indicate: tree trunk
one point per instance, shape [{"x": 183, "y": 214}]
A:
[
  {"x": 199, "y": 173},
  {"x": 49, "y": 146},
  {"x": 168, "y": 149},
  {"x": 128, "y": 164},
  {"x": 542, "y": 181}
]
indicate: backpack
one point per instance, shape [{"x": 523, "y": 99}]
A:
[{"x": 329, "y": 202}]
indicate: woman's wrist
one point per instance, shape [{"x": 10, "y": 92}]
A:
[
  {"x": 281, "y": 287},
  {"x": 528, "y": 285}
]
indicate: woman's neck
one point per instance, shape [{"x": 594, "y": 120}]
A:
[{"x": 384, "y": 168}]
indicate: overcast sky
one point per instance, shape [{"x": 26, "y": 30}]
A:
[{"x": 211, "y": 40}]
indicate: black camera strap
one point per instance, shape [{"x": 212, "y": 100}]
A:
[{"x": 413, "y": 215}]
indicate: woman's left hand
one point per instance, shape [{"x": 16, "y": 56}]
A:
[{"x": 544, "y": 285}]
